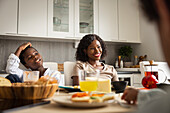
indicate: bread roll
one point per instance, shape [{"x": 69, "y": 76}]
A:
[{"x": 4, "y": 82}]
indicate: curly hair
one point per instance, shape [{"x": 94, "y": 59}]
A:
[
  {"x": 150, "y": 9},
  {"x": 21, "y": 56},
  {"x": 83, "y": 45}
]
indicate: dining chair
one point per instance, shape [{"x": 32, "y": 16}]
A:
[{"x": 69, "y": 67}]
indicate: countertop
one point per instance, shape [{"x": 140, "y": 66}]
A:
[{"x": 128, "y": 70}]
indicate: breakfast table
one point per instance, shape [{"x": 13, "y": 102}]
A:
[{"x": 54, "y": 107}]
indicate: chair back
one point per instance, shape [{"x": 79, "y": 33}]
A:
[{"x": 68, "y": 72}]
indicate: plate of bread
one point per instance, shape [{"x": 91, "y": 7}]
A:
[{"x": 85, "y": 100}]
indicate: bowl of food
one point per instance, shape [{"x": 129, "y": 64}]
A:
[
  {"x": 29, "y": 91},
  {"x": 119, "y": 86}
]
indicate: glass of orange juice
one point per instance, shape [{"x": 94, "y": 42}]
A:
[{"x": 88, "y": 80}]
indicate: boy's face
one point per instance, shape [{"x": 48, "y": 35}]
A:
[{"x": 32, "y": 59}]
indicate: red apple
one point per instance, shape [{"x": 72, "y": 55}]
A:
[{"x": 149, "y": 82}]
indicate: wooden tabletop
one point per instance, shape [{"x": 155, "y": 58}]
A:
[{"x": 54, "y": 107}]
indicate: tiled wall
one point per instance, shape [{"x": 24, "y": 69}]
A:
[{"x": 50, "y": 50}]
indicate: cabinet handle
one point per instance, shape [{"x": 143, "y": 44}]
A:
[
  {"x": 11, "y": 33},
  {"x": 114, "y": 40},
  {"x": 23, "y": 34},
  {"x": 123, "y": 40}
]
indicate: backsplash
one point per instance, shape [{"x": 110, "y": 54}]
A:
[{"x": 50, "y": 51}]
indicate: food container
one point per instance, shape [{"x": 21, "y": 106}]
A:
[
  {"x": 22, "y": 91},
  {"x": 29, "y": 76}
]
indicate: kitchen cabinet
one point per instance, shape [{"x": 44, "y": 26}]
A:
[
  {"x": 60, "y": 18},
  {"x": 133, "y": 79},
  {"x": 23, "y": 17},
  {"x": 32, "y": 18},
  {"x": 72, "y": 18},
  {"x": 8, "y": 20},
  {"x": 137, "y": 80},
  {"x": 86, "y": 17},
  {"x": 128, "y": 14},
  {"x": 108, "y": 23},
  {"x": 113, "y": 21},
  {"x": 126, "y": 77}
]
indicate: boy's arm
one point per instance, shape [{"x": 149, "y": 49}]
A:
[
  {"x": 13, "y": 65},
  {"x": 22, "y": 47},
  {"x": 13, "y": 61}
]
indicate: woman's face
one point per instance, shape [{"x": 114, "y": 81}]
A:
[
  {"x": 94, "y": 51},
  {"x": 32, "y": 59}
]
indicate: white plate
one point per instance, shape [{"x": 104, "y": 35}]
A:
[{"x": 66, "y": 101}]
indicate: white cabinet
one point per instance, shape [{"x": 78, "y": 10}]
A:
[
  {"x": 60, "y": 18},
  {"x": 133, "y": 79},
  {"x": 72, "y": 18},
  {"x": 23, "y": 17},
  {"x": 32, "y": 18},
  {"x": 112, "y": 20},
  {"x": 128, "y": 14},
  {"x": 8, "y": 19},
  {"x": 137, "y": 80},
  {"x": 86, "y": 17},
  {"x": 108, "y": 23},
  {"x": 126, "y": 77}
]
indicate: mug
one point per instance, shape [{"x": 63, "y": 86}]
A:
[{"x": 153, "y": 70}]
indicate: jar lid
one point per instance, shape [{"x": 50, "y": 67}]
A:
[{"x": 151, "y": 63}]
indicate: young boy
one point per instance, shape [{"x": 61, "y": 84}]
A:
[{"x": 32, "y": 60}]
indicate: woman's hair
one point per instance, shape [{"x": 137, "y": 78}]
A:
[
  {"x": 83, "y": 45},
  {"x": 150, "y": 9},
  {"x": 21, "y": 56}
]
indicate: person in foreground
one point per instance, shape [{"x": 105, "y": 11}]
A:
[
  {"x": 90, "y": 51},
  {"x": 154, "y": 100},
  {"x": 31, "y": 59}
]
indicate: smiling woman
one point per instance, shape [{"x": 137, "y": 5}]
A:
[{"x": 90, "y": 51}]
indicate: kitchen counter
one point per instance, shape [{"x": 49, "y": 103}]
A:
[
  {"x": 127, "y": 72},
  {"x": 54, "y": 107}
]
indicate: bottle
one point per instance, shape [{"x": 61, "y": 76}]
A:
[
  {"x": 135, "y": 60},
  {"x": 121, "y": 63},
  {"x": 119, "y": 59},
  {"x": 116, "y": 63}
]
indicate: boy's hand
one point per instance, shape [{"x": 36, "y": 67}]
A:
[
  {"x": 130, "y": 95},
  {"x": 22, "y": 47}
]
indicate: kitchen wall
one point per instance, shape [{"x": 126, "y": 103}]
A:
[
  {"x": 50, "y": 50},
  {"x": 150, "y": 41}
]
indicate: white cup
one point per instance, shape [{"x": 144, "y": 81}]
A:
[{"x": 30, "y": 76}]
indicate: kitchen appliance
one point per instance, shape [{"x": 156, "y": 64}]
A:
[{"x": 161, "y": 70}]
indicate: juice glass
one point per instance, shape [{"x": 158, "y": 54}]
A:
[{"x": 88, "y": 81}]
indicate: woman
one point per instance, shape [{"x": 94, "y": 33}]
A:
[{"x": 90, "y": 51}]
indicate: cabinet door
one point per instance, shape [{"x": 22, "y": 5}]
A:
[
  {"x": 8, "y": 19},
  {"x": 128, "y": 14},
  {"x": 60, "y": 18},
  {"x": 108, "y": 24},
  {"x": 32, "y": 17},
  {"x": 86, "y": 17},
  {"x": 137, "y": 78}
]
